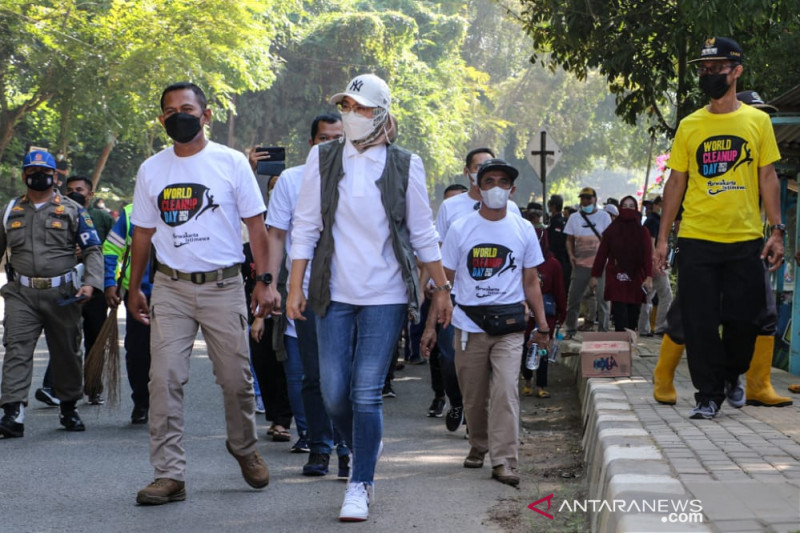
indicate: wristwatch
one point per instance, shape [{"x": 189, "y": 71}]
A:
[
  {"x": 265, "y": 278},
  {"x": 445, "y": 287},
  {"x": 779, "y": 227}
]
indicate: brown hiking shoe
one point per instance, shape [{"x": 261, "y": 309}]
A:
[
  {"x": 254, "y": 468},
  {"x": 474, "y": 459},
  {"x": 162, "y": 490},
  {"x": 505, "y": 475}
]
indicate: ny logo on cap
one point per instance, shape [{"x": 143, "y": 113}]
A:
[{"x": 356, "y": 85}]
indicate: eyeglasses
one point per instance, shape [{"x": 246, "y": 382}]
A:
[
  {"x": 358, "y": 108},
  {"x": 717, "y": 68}
]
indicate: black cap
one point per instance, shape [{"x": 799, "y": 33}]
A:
[
  {"x": 720, "y": 48},
  {"x": 497, "y": 164},
  {"x": 752, "y": 98}
]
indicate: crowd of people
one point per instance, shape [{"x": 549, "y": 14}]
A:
[{"x": 343, "y": 271}]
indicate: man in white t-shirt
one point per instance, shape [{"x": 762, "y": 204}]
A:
[
  {"x": 280, "y": 216},
  {"x": 491, "y": 258},
  {"x": 189, "y": 202},
  {"x": 451, "y": 210},
  {"x": 584, "y": 230}
]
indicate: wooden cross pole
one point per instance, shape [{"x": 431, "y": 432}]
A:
[{"x": 543, "y": 152}]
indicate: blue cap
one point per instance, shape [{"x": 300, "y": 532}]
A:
[{"x": 39, "y": 158}]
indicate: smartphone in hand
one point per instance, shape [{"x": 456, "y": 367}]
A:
[{"x": 276, "y": 162}]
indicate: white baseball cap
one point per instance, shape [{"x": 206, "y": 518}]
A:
[
  {"x": 366, "y": 89},
  {"x": 611, "y": 209}
]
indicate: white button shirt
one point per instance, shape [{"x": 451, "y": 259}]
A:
[{"x": 364, "y": 269}]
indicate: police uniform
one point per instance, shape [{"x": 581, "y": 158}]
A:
[{"x": 41, "y": 257}]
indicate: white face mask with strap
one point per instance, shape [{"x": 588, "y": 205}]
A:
[
  {"x": 496, "y": 197},
  {"x": 357, "y": 127}
]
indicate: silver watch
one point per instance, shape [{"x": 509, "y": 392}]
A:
[{"x": 446, "y": 287}]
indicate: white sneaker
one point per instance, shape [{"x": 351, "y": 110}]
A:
[{"x": 356, "y": 503}]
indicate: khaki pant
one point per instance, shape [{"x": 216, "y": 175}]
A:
[
  {"x": 27, "y": 312},
  {"x": 177, "y": 309},
  {"x": 488, "y": 371}
]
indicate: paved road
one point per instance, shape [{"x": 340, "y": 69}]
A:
[{"x": 52, "y": 480}]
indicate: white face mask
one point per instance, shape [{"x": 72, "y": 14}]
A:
[
  {"x": 473, "y": 177},
  {"x": 357, "y": 127},
  {"x": 496, "y": 197}
]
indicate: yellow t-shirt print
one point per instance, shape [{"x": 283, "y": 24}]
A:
[{"x": 722, "y": 154}]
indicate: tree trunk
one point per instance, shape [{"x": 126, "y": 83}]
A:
[
  {"x": 6, "y": 133},
  {"x": 9, "y": 118},
  {"x": 231, "y": 122},
  {"x": 103, "y": 159}
]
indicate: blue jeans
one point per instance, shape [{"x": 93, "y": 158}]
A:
[
  {"x": 293, "y": 367},
  {"x": 356, "y": 345}
]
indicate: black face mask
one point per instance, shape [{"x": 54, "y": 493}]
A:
[
  {"x": 714, "y": 85},
  {"x": 182, "y": 127},
  {"x": 77, "y": 197},
  {"x": 39, "y": 181}
]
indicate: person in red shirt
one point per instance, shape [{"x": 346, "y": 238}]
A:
[{"x": 627, "y": 256}]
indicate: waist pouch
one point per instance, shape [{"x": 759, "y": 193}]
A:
[{"x": 497, "y": 319}]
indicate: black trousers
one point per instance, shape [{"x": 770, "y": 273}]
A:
[
  {"x": 137, "y": 358},
  {"x": 720, "y": 284},
  {"x": 625, "y": 315},
  {"x": 271, "y": 378}
]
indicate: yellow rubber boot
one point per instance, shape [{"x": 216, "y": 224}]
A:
[
  {"x": 759, "y": 389},
  {"x": 664, "y": 373}
]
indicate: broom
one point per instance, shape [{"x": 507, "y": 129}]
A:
[{"x": 102, "y": 362}]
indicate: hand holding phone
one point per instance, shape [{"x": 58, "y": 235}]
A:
[
  {"x": 274, "y": 164},
  {"x": 63, "y": 302}
]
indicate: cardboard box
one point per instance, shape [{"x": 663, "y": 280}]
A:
[{"x": 606, "y": 355}]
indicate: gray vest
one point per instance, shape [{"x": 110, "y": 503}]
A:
[{"x": 392, "y": 185}]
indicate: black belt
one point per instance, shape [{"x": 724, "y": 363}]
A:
[{"x": 201, "y": 277}]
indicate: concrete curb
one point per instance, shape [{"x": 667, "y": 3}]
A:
[{"x": 631, "y": 486}]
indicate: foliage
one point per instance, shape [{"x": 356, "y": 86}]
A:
[
  {"x": 412, "y": 45},
  {"x": 103, "y": 65},
  {"x": 85, "y": 77},
  {"x": 642, "y": 47}
]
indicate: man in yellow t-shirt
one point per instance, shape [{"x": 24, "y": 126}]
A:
[{"x": 722, "y": 159}]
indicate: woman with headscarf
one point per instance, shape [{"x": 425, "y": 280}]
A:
[
  {"x": 363, "y": 216},
  {"x": 626, "y": 253}
]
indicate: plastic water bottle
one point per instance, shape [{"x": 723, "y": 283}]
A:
[
  {"x": 534, "y": 354},
  {"x": 555, "y": 345},
  {"x": 532, "y": 360},
  {"x": 552, "y": 355}
]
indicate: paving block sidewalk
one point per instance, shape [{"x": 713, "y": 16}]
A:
[{"x": 651, "y": 468}]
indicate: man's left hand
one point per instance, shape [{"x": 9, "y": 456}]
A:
[
  {"x": 443, "y": 307},
  {"x": 85, "y": 290},
  {"x": 773, "y": 251},
  {"x": 542, "y": 339},
  {"x": 266, "y": 300}
]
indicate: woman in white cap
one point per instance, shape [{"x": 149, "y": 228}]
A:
[{"x": 363, "y": 217}]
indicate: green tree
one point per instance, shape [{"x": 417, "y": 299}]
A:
[
  {"x": 104, "y": 64},
  {"x": 415, "y": 46},
  {"x": 642, "y": 47}
]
